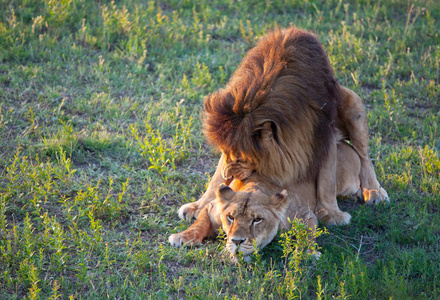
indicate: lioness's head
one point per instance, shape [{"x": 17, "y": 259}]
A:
[{"x": 249, "y": 216}]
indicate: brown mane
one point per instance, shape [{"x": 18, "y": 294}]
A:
[{"x": 285, "y": 80}]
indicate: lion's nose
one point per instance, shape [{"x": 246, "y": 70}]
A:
[{"x": 238, "y": 241}]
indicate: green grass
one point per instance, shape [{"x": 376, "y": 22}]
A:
[{"x": 100, "y": 144}]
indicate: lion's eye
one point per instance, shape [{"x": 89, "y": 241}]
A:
[
  {"x": 230, "y": 218},
  {"x": 257, "y": 220}
]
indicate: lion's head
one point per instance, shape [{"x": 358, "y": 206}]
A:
[
  {"x": 251, "y": 218},
  {"x": 276, "y": 114}
]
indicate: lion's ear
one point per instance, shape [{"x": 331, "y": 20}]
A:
[
  {"x": 280, "y": 199},
  {"x": 267, "y": 131},
  {"x": 225, "y": 193}
]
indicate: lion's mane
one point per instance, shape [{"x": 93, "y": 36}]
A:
[{"x": 285, "y": 81}]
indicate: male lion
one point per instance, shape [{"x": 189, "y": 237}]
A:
[
  {"x": 257, "y": 210},
  {"x": 278, "y": 116}
]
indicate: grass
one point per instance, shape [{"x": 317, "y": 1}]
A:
[{"x": 100, "y": 144}]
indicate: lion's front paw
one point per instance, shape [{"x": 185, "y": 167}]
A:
[
  {"x": 337, "y": 218},
  {"x": 188, "y": 211},
  {"x": 373, "y": 197},
  {"x": 182, "y": 238}
]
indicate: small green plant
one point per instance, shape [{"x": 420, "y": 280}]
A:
[
  {"x": 162, "y": 154},
  {"x": 55, "y": 291},
  {"x": 320, "y": 293},
  {"x": 299, "y": 247},
  {"x": 34, "y": 290}
]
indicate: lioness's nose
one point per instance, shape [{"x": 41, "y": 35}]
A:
[{"x": 238, "y": 241}]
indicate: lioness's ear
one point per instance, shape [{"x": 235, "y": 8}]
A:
[
  {"x": 280, "y": 199},
  {"x": 267, "y": 132},
  {"x": 225, "y": 193}
]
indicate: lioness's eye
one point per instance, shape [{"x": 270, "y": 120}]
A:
[
  {"x": 257, "y": 220},
  {"x": 230, "y": 218}
]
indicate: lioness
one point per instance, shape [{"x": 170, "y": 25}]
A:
[{"x": 256, "y": 210}]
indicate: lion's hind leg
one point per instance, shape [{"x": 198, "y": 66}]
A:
[
  {"x": 195, "y": 234},
  {"x": 352, "y": 121}
]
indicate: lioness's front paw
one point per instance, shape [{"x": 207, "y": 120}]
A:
[
  {"x": 337, "y": 218},
  {"x": 188, "y": 211},
  {"x": 180, "y": 239},
  {"x": 373, "y": 197}
]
